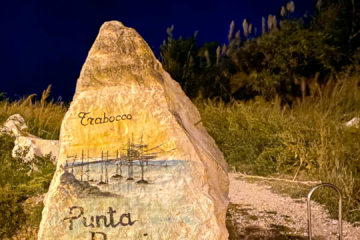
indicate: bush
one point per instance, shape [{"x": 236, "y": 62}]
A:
[
  {"x": 247, "y": 134},
  {"x": 17, "y": 179},
  {"x": 195, "y": 68},
  {"x": 19, "y": 183},
  {"x": 11, "y": 211},
  {"x": 308, "y": 140},
  {"x": 276, "y": 63}
]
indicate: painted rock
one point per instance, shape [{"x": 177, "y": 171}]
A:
[{"x": 135, "y": 161}]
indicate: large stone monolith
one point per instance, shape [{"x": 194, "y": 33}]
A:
[{"x": 135, "y": 161}]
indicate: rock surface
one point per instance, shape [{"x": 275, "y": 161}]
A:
[
  {"x": 28, "y": 146},
  {"x": 354, "y": 122},
  {"x": 135, "y": 161},
  {"x": 15, "y": 126}
]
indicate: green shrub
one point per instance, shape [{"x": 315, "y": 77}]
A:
[
  {"x": 11, "y": 211},
  {"x": 20, "y": 183},
  {"x": 247, "y": 138},
  {"x": 308, "y": 140},
  {"x": 13, "y": 170}
]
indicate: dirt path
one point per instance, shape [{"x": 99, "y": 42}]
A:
[{"x": 257, "y": 213}]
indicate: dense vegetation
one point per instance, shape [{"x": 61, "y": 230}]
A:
[
  {"x": 20, "y": 182},
  {"x": 308, "y": 141},
  {"x": 290, "y": 53}
]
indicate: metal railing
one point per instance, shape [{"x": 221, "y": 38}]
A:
[{"x": 309, "y": 208}]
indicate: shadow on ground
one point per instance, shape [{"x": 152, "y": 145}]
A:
[{"x": 239, "y": 231}]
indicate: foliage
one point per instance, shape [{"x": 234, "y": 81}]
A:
[
  {"x": 340, "y": 21},
  {"x": 277, "y": 63},
  {"x": 308, "y": 140},
  {"x": 18, "y": 180},
  {"x": 194, "y": 68},
  {"x": 18, "y": 183},
  {"x": 11, "y": 211},
  {"x": 246, "y": 134}
]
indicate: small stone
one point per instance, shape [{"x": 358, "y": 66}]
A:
[
  {"x": 15, "y": 126},
  {"x": 354, "y": 122},
  {"x": 28, "y": 147}
]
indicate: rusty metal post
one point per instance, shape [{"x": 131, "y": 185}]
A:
[{"x": 309, "y": 208}]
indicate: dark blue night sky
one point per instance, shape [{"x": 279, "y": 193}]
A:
[{"x": 46, "y": 42}]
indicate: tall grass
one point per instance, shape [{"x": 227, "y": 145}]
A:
[
  {"x": 308, "y": 140},
  {"x": 43, "y": 117}
]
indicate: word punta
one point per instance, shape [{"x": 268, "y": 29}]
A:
[
  {"x": 100, "y": 120},
  {"x": 77, "y": 213}
]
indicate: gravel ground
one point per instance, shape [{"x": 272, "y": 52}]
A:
[{"x": 257, "y": 213}]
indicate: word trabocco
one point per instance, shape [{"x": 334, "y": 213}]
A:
[{"x": 87, "y": 120}]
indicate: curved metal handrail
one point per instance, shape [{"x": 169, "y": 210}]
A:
[{"x": 309, "y": 207}]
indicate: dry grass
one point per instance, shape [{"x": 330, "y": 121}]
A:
[
  {"x": 305, "y": 141},
  {"x": 42, "y": 117}
]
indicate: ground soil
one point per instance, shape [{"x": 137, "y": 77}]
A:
[{"x": 256, "y": 212}]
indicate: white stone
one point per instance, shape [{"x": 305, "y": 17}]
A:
[
  {"x": 354, "y": 122},
  {"x": 15, "y": 126},
  {"x": 27, "y": 147}
]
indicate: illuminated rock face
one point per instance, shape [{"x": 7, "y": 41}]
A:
[{"x": 135, "y": 161}]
